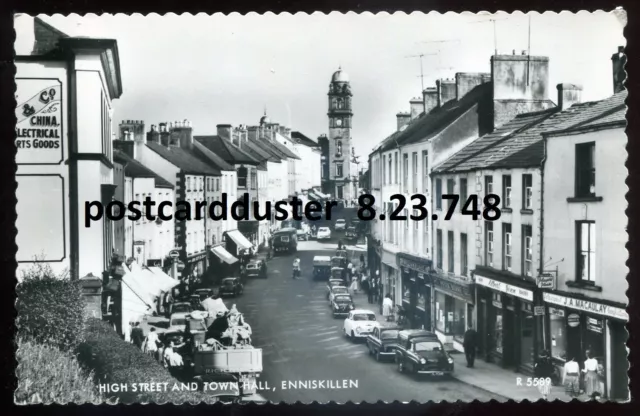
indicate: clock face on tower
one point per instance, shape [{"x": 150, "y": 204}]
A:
[{"x": 339, "y": 122}]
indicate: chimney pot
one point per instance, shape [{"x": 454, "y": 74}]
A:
[
  {"x": 524, "y": 52},
  {"x": 514, "y": 52}
]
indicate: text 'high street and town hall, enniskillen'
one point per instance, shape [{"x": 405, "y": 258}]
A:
[{"x": 331, "y": 248}]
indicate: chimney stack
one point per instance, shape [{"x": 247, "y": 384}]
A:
[
  {"x": 25, "y": 34},
  {"x": 466, "y": 81},
  {"x": 417, "y": 107},
  {"x": 446, "y": 91},
  {"x": 224, "y": 131},
  {"x": 619, "y": 61},
  {"x": 430, "y": 99},
  {"x": 403, "y": 119},
  {"x": 568, "y": 95}
]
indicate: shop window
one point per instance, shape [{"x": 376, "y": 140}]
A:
[
  {"x": 439, "y": 248},
  {"x": 420, "y": 299},
  {"x": 585, "y": 170},
  {"x": 459, "y": 308},
  {"x": 594, "y": 338},
  {"x": 527, "y": 355},
  {"x": 586, "y": 255},
  {"x": 463, "y": 191},
  {"x": 497, "y": 323},
  {"x": 506, "y": 191},
  {"x": 463, "y": 254},
  {"x": 557, "y": 329},
  {"x": 527, "y": 191},
  {"x": 527, "y": 251},
  {"x": 443, "y": 306},
  {"x": 507, "y": 247},
  {"x": 488, "y": 239},
  {"x": 438, "y": 193},
  {"x": 406, "y": 288},
  {"x": 450, "y": 256}
]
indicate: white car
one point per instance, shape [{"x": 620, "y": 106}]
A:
[
  {"x": 178, "y": 322},
  {"x": 324, "y": 233},
  {"x": 340, "y": 224},
  {"x": 359, "y": 323}
]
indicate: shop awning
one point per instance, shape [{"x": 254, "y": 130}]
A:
[
  {"x": 223, "y": 255},
  {"x": 240, "y": 240}
]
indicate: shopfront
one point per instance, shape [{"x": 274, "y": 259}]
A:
[
  {"x": 390, "y": 272},
  {"x": 576, "y": 324},
  {"x": 374, "y": 253},
  {"x": 510, "y": 332},
  {"x": 453, "y": 308},
  {"x": 416, "y": 293}
]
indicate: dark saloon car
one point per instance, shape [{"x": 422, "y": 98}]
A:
[
  {"x": 231, "y": 286},
  {"x": 342, "y": 305},
  {"x": 351, "y": 234},
  {"x": 382, "y": 342},
  {"x": 421, "y": 352}
]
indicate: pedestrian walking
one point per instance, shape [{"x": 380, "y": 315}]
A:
[
  {"x": 571, "y": 377},
  {"x": 387, "y": 308},
  {"x": 591, "y": 378},
  {"x": 151, "y": 343},
  {"x": 543, "y": 370},
  {"x": 362, "y": 260},
  {"x": 137, "y": 335},
  {"x": 296, "y": 267},
  {"x": 470, "y": 344}
]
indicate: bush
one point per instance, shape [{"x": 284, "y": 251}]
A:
[
  {"x": 47, "y": 375},
  {"x": 116, "y": 361},
  {"x": 50, "y": 308}
]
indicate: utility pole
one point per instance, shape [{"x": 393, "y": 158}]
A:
[
  {"x": 495, "y": 36},
  {"x": 421, "y": 68}
]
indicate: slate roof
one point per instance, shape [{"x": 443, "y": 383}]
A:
[
  {"x": 226, "y": 150},
  {"x": 284, "y": 149},
  {"x": 135, "y": 169},
  {"x": 268, "y": 145},
  {"x": 525, "y": 147},
  {"x": 257, "y": 152},
  {"x": 184, "y": 159},
  {"x": 213, "y": 159},
  {"x": 302, "y": 139},
  {"x": 430, "y": 124}
]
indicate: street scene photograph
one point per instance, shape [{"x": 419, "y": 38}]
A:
[{"x": 322, "y": 208}]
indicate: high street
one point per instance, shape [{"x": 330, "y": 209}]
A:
[{"x": 292, "y": 323}]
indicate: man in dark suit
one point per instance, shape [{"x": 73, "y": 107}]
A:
[
  {"x": 470, "y": 344},
  {"x": 137, "y": 335}
]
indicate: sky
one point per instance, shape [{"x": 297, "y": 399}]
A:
[{"x": 227, "y": 69}]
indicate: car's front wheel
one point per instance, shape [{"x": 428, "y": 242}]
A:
[{"x": 400, "y": 365}]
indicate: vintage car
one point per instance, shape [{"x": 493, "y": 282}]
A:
[
  {"x": 340, "y": 224},
  {"x": 342, "y": 305},
  {"x": 176, "y": 307},
  {"x": 359, "y": 324},
  {"x": 231, "y": 286},
  {"x": 302, "y": 234},
  {"x": 178, "y": 322},
  {"x": 342, "y": 253},
  {"x": 321, "y": 267},
  {"x": 339, "y": 261},
  {"x": 383, "y": 341},
  {"x": 351, "y": 234},
  {"x": 194, "y": 300},
  {"x": 324, "y": 233},
  {"x": 338, "y": 273},
  {"x": 337, "y": 290},
  {"x": 256, "y": 268},
  {"x": 421, "y": 352},
  {"x": 333, "y": 282},
  {"x": 204, "y": 293}
]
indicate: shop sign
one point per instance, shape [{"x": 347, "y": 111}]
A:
[
  {"x": 538, "y": 310},
  {"x": 594, "y": 325},
  {"x": 39, "y": 121},
  {"x": 556, "y": 312},
  {"x": 419, "y": 266},
  {"x": 497, "y": 304},
  {"x": 505, "y": 288},
  {"x": 174, "y": 254},
  {"x": 586, "y": 306},
  {"x": 454, "y": 289},
  {"x": 197, "y": 258},
  {"x": 573, "y": 320},
  {"x": 547, "y": 280}
]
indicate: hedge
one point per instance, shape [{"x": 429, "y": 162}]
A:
[
  {"x": 47, "y": 375},
  {"x": 50, "y": 308},
  {"x": 115, "y": 361}
]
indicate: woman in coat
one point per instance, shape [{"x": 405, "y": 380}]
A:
[
  {"x": 387, "y": 307},
  {"x": 571, "y": 377},
  {"x": 543, "y": 371},
  {"x": 591, "y": 378}
]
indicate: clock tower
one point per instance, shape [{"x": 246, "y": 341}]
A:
[{"x": 339, "y": 157}]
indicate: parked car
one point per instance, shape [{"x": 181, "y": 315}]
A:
[
  {"x": 351, "y": 234},
  {"x": 256, "y": 268},
  {"x": 178, "y": 322},
  {"x": 421, "y": 352},
  {"x": 231, "y": 286},
  {"x": 324, "y": 233},
  {"x": 331, "y": 283},
  {"x": 359, "y": 323},
  {"x": 382, "y": 342},
  {"x": 302, "y": 235},
  {"x": 337, "y": 290},
  {"x": 342, "y": 305},
  {"x": 176, "y": 307},
  {"x": 340, "y": 224},
  {"x": 204, "y": 293}
]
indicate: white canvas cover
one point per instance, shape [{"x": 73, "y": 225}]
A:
[{"x": 213, "y": 306}]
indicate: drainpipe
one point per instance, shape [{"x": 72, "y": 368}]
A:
[{"x": 542, "y": 164}]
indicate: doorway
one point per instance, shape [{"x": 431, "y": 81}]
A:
[
  {"x": 509, "y": 342},
  {"x": 619, "y": 361}
]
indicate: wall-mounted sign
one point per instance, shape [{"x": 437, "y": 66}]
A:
[
  {"x": 538, "y": 310},
  {"x": 547, "y": 280},
  {"x": 454, "y": 289},
  {"x": 422, "y": 266},
  {"x": 594, "y": 325},
  {"x": 587, "y": 306},
  {"x": 39, "y": 133},
  {"x": 505, "y": 288},
  {"x": 573, "y": 320},
  {"x": 174, "y": 254}
]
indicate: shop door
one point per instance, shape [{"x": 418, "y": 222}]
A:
[
  {"x": 574, "y": 338},
  {"x": 482, "y": 327},
  {"x": 509, "y": 341},
  {"x": 619, "y": 363}
]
